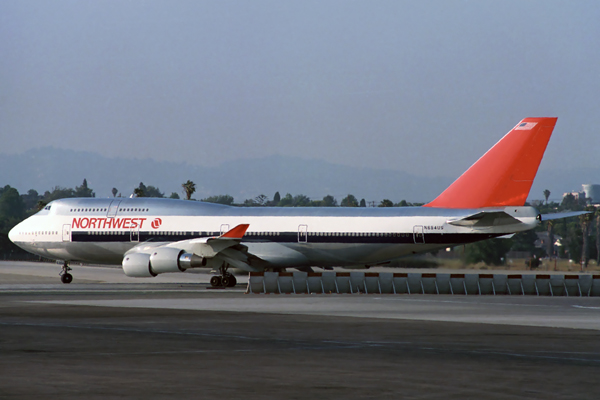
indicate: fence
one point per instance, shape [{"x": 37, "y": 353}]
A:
[{"x": 424, "y": 283}]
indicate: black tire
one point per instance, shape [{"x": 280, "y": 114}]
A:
[
  {"x": 215, "y": 281},
  {"x": 232, "y": 281},
  {"x": 226, "y": 281},
  {"x": 66, "y": 278}
]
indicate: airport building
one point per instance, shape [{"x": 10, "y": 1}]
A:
[{"x": 592, "y": 193}]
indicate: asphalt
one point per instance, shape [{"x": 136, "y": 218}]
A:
[{"x": 105, "y": 336}]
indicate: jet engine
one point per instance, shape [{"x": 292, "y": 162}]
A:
[
  {"x": 137, "y": 265},
  {"x": 162, "y": 259}
]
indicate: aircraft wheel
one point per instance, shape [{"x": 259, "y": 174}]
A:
[
  {"x": 232, "y": 281},
  {"x": 215, "y": 281},
  {"x": 66, "y": 278},
  {"x": 226, "y": 281}
]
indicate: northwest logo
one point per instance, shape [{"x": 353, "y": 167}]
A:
[{"x": 156, "y": 223}]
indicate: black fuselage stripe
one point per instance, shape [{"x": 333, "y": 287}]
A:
[{"x": 286, "y": 237}]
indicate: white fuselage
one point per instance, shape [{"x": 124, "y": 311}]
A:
[{"x": 104, "y": 230}]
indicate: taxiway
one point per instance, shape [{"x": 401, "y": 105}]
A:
[{"x": 106, "y": 337}]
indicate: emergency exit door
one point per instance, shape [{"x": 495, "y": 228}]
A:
[
  {"x": 418, "y": 234},
  {"x": 302, "y": 233},
  {"x": 66, "y": 233}
]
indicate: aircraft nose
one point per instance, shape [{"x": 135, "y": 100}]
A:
[{"x": 12, "y": 234}]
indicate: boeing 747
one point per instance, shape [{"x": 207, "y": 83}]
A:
[{"x": 150, "y": 236}]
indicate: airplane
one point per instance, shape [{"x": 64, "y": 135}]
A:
[{"x": 151, "y": 236}]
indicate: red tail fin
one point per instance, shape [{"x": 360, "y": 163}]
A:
[{"x": 502, "y": 176}]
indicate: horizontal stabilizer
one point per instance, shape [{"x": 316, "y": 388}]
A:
[
  {"x": 506, "y": 236},
  {"x": 485, "y": 219},
  {"x": 549, "y": 217}
]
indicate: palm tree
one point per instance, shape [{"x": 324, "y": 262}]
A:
[
  {"x": 598, "y": 237},
  {"x": 189, "y": 188},
  {"x": 586, "y": 222},
  {"x": 550, "y": 244},
  {"x": 546, "y": 195}
]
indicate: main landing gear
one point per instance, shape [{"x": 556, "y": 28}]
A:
[
  {"x": 65, "y": 276},
  {"x": 224, "y": 280}
]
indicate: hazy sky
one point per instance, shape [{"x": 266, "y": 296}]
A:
[{"x": 419, "y": 86}]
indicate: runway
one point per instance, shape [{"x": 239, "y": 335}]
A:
[{"x": 159, "y": 340}]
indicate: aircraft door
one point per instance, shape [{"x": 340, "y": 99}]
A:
[
  {"x": 224, "y": 228},
  {"x": 302, "y": 233},
  {"x": 66, "y": 233},
  {"x": 418, "y": 234},
  {"x": 134, "y": 234},
  {"x": 113, "y": 208}
]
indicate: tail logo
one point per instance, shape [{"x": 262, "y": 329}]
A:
[
  {"x": 156, "y": 223},
  {"x": 525, "y": 126}
]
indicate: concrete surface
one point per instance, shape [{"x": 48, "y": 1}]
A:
[{"x": 115, "y": 339}]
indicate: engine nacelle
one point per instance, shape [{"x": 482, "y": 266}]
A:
[
  {"x": 189, "y": 260},
  {"x": 166, "y": 259},
  {"x": 162, "y": 259},
  {"x": 138, "y": 265}
]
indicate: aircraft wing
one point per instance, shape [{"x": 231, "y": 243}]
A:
[
  {"x": 226, "y": 248},
  {"x": 485, "y": 219},
  {"x": 211, "y": 246}
]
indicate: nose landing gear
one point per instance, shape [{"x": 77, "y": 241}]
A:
[
  {"x": 224, "y": 280},
  {"x": 65, "y": 276}
]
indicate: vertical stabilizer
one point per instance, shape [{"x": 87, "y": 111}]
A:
[{"x": 503, "y": 176}]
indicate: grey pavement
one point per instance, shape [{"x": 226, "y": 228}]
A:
[{"x": 105, "y": 337}]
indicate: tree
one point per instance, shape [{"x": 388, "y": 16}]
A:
[
  {"x": 598, "y": 236},
  {"x": 550, "y": 244},
  {"x": 349, "y": 201},
  {"x": 114, "y": 192},
  {"x": 569, "y": 203},
  {"x": 261, "y": 200},
  {"x": 403, "y": 203},
  {"x": 386, "y": 203},
  {"x": 31, "y": 199},
  {"x": 147, "y": 191},
  {"x": 586, "y": 223},
  {"x": 189, "y": 188},
  {"x": 84, "y": 190},
  {"x": 152, "y": 191},
  {"x": 286, "y": 201},
  {"x": 40, "y": 205},
  {"x": 140, "y": 191},
  {"x": 301, "y": 200},
  {"x": 58, "y": 193},
  {"x": 329, "y": 201},
  {"x": 546, "y": 195},
  {"x": 12, "y": 208},
  {"x": 174, "y": 195},
  {"x": 572, "y": 241},
  {"x": 276, "y": 198},
  {"x": 525, "y": 241},
  {"x": 220, "y": 199},
  {"x": 491, "y": 252},
  {"x": 363, "y": 203}
]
